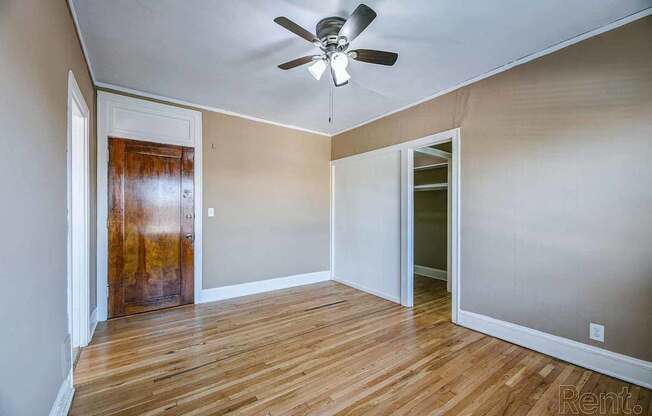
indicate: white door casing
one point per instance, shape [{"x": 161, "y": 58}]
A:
[
  {"x": 78, "y": 257},
  {"x": 376, "y": 223},
  {"x": 137, "y": 119}
]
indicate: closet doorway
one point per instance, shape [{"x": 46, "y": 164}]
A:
[
  {"x": 432, "y": 225},
  {"x": 430, "y": 260}
]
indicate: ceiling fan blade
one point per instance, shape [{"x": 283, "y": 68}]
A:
[
  {"x": 361, "y": 17},
  {"x": 296, "y": 29},
  {"x": 297, "y": 62},
  {"x": 374, "y": 57}
]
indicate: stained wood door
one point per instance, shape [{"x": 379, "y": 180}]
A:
[{"x": 151, "y": 221}]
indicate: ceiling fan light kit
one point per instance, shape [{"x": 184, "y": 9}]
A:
[
  {"x": 317, "y": 69},
  {"x": 334, "y": 35},
  {"x": 339, "y": 62}
]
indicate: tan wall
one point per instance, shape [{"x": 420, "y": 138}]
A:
[
  {"x": 270, "y": 187},
  {"x": 556, "y": 187},
  {"x": 38, "y": 45},
  {"x": 430, "y": 221}
]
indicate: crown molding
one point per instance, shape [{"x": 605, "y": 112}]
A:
[
  {"x": 520, "y": 61},
  {"x": 144, "y": 94},
  {"x": 75, "y": 20}
]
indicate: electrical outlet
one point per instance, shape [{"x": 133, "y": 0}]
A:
[
  {"x": 211, "y": 212},
  {"x": 596, "y": 332}
]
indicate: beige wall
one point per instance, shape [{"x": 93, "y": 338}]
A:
[
  {"x": 556, "y": 187},
  {"x": 270, "y": 187},
  {"x": 38, "y": 45}
]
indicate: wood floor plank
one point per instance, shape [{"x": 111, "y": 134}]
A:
[{"x": 322, "y": 349}]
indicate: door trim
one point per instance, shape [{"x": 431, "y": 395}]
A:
[
  {"x": 407, "y": 217},
  {"x": 79, "y": 313},
  {"x": 407, "y": 214},
  {"x": 137, "y": 119}
]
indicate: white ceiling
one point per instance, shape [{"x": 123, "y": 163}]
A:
[{"x": 224, "y": 54}]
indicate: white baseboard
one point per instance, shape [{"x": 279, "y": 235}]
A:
[
  {"x": 430, "y": 272},
  {"x": 395, "y": 299},
  {"x": 251, "y": 288},
  {"x": 62, "y": 403},
  {"x": 610, "y": 363},
  {"x": 93, "y": 325}
]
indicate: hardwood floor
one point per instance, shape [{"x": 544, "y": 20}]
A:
[
  {"x": 427, "y": 289},
  {"x": 321, "y": 349}
]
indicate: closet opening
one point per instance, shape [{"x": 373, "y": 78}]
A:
[
  {"x": 430, "y": 232},
  {"x": 432, "y": 227}
]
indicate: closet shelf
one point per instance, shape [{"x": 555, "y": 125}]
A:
[
  {"x": 433, "y": 166},
  {"x": 431, "y": 187}
]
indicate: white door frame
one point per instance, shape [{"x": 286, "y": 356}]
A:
[
  {"x": 407, "y": 216},
  {"x": 78, "y": 217},
  {"x": 133, "y": 118}
]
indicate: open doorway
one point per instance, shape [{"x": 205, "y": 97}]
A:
[
  {"x": 432, "y": 226},
  {"x": 430, "y": 223},
  {"x": 78, "y": 218}
]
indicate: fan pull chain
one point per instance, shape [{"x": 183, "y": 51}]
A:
[{"x": 330, "y": 104}]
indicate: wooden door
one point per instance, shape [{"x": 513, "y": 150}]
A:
[{"x": 151, "y": 218}]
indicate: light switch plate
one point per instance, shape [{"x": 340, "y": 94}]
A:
[
  {"x": 596, "y": 332},
  {"x": 211, "y": 212}
]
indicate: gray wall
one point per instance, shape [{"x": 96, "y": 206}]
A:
[
  {"x": 556, "y": 187},
  {"x": 38, "y": 45}
]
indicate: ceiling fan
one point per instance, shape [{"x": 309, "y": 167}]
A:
[{"x": 334, "y": 35}]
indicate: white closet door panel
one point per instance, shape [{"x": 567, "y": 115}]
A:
[{"x": 367, "y": 229}]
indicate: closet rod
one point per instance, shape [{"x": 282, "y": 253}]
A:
[
  {"x": 431, "y": 187},
  {"x": 433, "y": 166}
]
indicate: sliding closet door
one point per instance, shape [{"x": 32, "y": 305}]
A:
[{"x": 366, "y": 224}]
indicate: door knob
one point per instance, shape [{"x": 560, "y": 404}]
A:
[{"x": 189, "y": 237}]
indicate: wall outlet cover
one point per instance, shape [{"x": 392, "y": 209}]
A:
[{"x": 596, "y": 332}]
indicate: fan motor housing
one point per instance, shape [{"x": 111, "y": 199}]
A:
[{"x": 328, "y": 30}]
